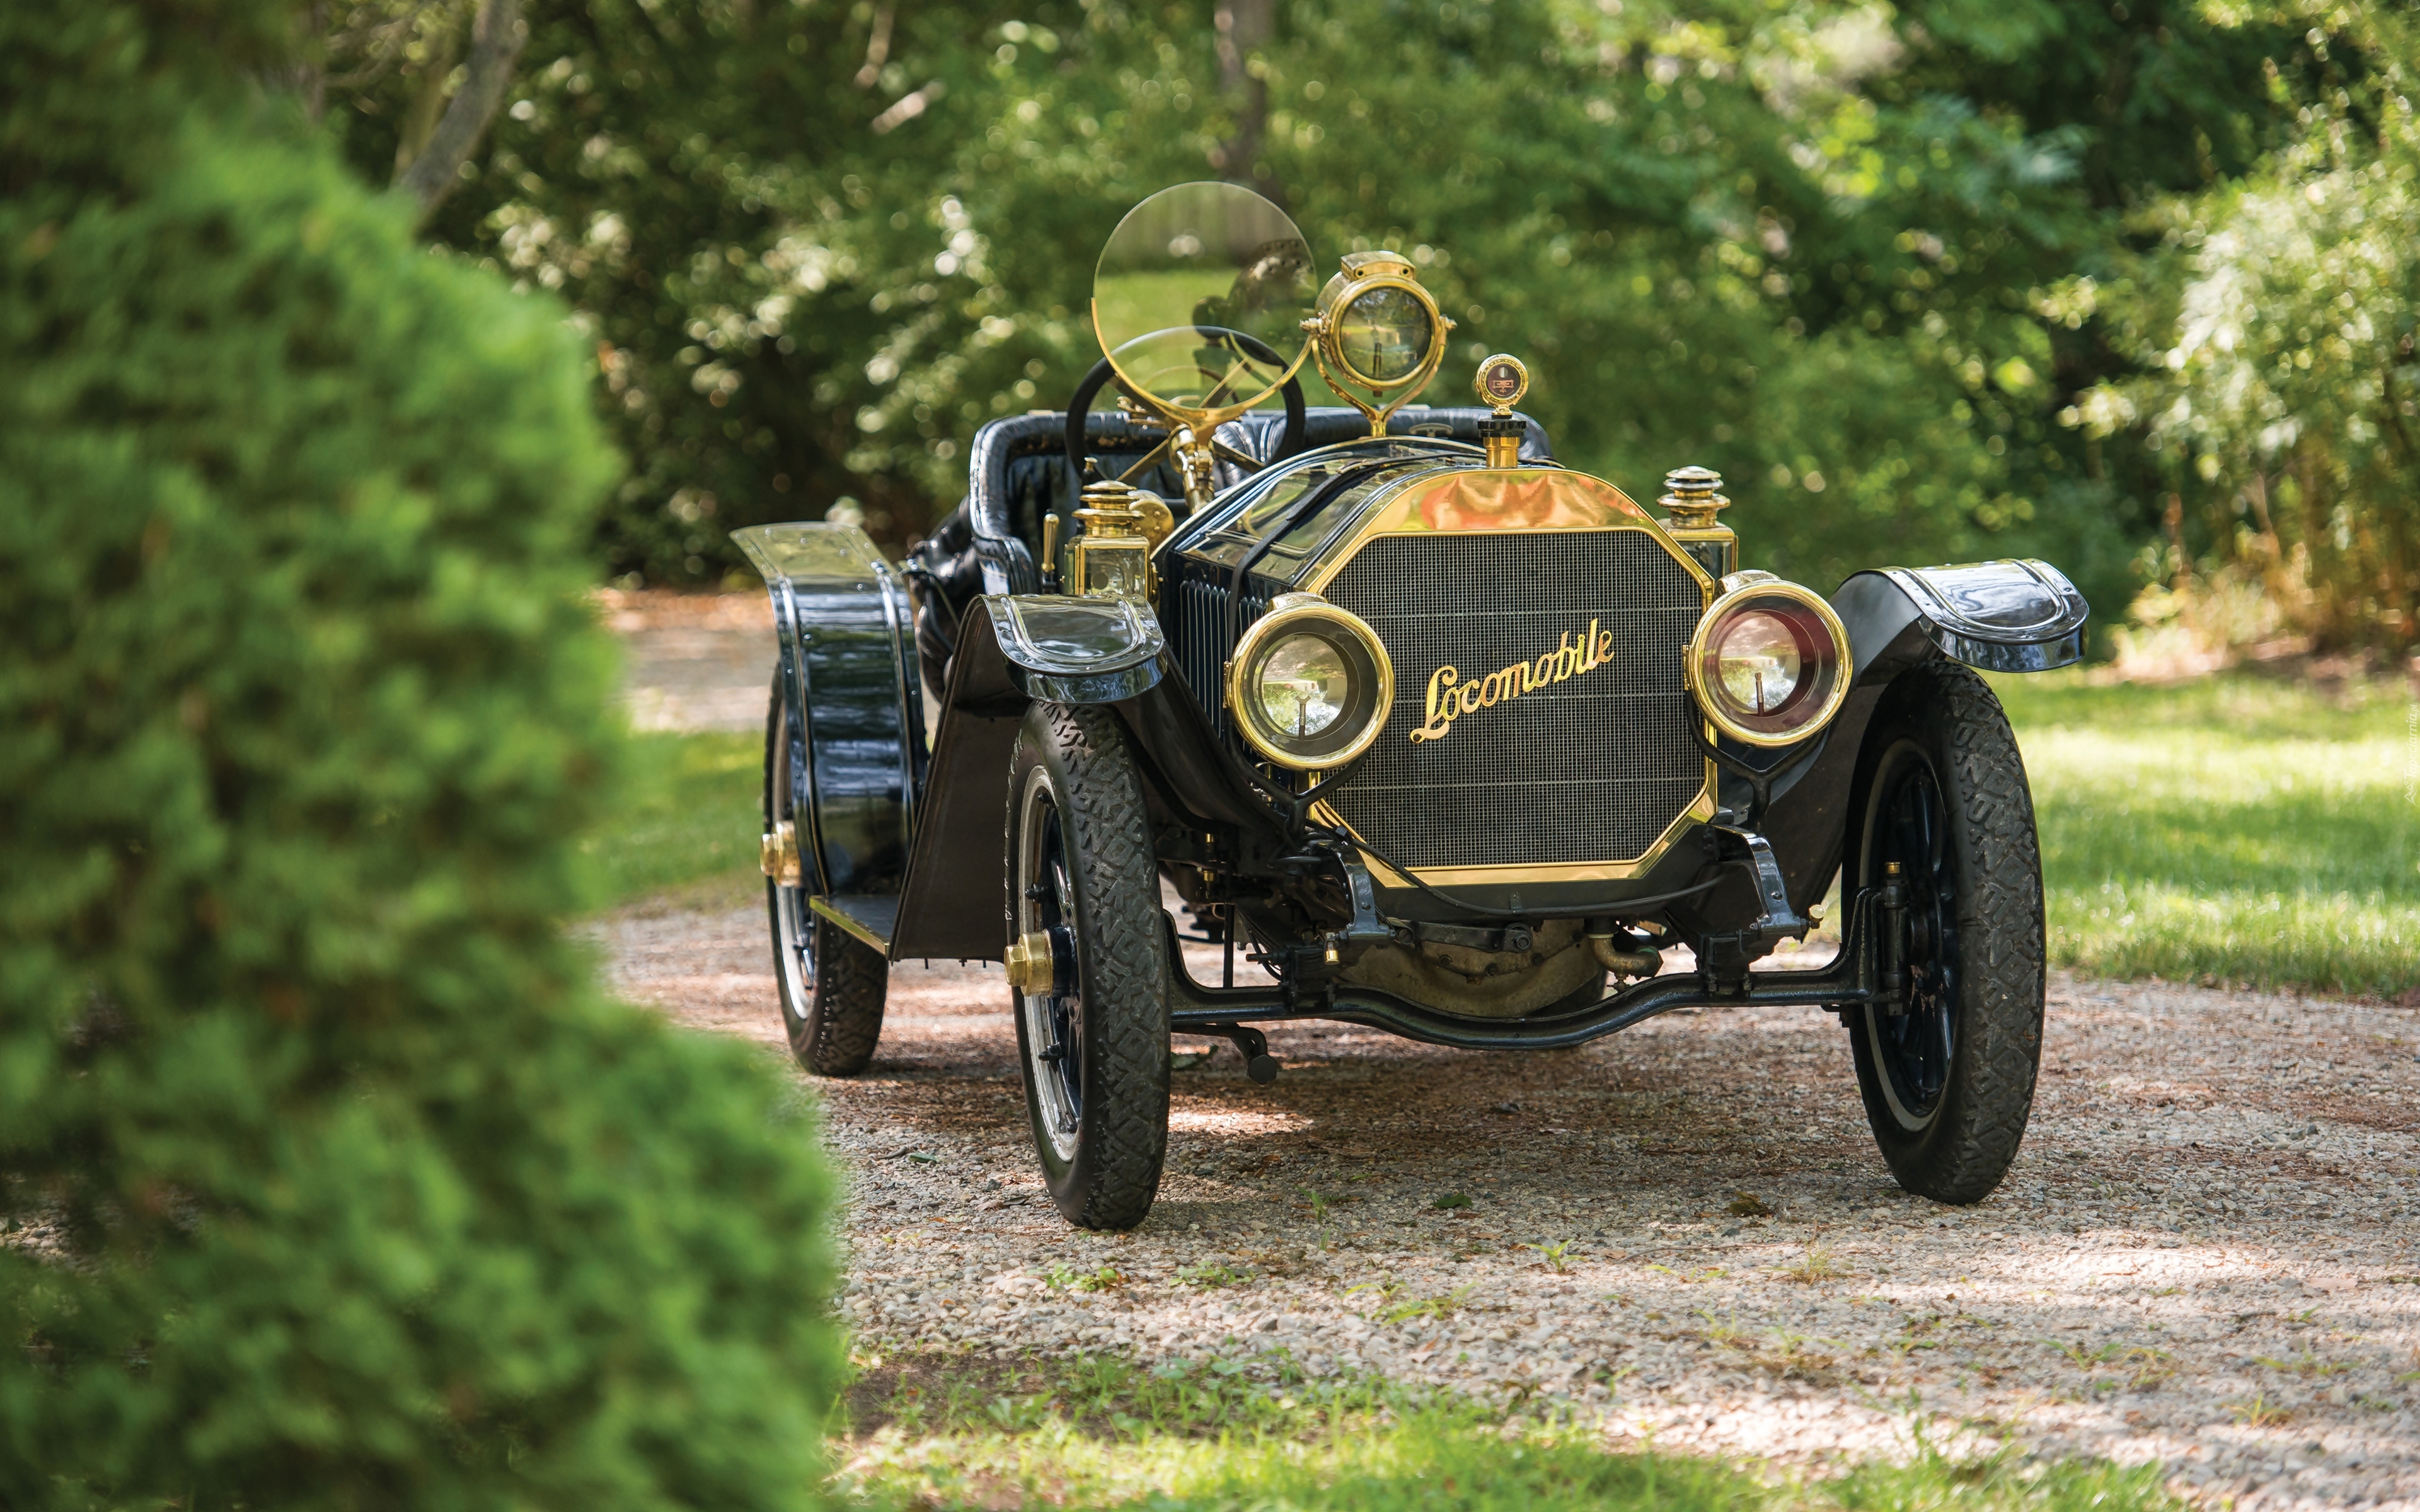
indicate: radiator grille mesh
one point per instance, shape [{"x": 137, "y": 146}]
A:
[{"x": 1593, "y": 768}]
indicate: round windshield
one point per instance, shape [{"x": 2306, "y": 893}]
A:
[{"x": 1200, "y": 295}]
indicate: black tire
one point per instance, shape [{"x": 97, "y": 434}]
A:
[
  {"x": 831, "y": 983},
  {"x": 1948, "y": 1085},
  {"x": 1095, "y": 1046}
]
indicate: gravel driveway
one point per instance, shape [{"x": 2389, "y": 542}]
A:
[{"x": 2209, "y": 1252}]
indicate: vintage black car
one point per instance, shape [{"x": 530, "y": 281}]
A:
[{"x": 1448, "y": 739}]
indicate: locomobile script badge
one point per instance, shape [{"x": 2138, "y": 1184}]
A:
[{"x": 1450, "y": 697}]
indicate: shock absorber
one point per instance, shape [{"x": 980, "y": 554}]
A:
[{"x": 1893, "y": 998}]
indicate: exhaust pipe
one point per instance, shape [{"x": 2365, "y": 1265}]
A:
[{"x": 1621, "y": 952}]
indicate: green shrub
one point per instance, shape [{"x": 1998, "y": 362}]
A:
[{"x": 329, "y": 1178}]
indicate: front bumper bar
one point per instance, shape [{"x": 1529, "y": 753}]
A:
[{"x": 1854, "y": 978}]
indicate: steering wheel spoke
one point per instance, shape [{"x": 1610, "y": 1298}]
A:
[{"x": 1078, "y": 438}]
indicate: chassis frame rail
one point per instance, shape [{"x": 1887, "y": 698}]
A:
[{"x": 1855, "y": 978}]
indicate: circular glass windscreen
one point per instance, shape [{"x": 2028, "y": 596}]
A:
[
  {"x": 1303, "y": 686},
  {"x": 1200, "y": 296},
  {"x": 1383, "y": 336},
  {"x": 1757, "y": 658}
]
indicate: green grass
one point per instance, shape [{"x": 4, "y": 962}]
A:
[
  {"x": 687, "y": 815},
  {"x": 1233, "y": 1433},
  {"x": 2240, "y": 827}
]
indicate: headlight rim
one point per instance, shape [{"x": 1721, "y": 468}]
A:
[
  {"x": 1431, "y": 357},
  {"x": 1289, "y": 614},
  {"x": 1712, "y": 704}
]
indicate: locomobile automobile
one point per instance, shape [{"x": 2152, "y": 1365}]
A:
[{"x": 1446, "y": 738}]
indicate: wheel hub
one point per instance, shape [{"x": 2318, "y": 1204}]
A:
[{"x": 1913, "y": 1047}]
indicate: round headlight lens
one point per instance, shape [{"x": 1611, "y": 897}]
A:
[
  {"x": 1757, "y": 659},
  {"x": 1383, "y": 336},
  {"x": 1309, "y": 685},
  {"x": 1303, "y": 684},
  {"x": 1769, "y": 664}
]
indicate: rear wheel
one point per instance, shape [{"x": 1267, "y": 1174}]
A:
[
  {"x": 1091, "y": 996},
  {"x": 1949, "y": 1080},
  {"x": 831, "y": 983}
]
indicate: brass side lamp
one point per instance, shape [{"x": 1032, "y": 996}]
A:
[
  {"x": 1121, "y": 526},
  {"x": 1692, "y": 496}
]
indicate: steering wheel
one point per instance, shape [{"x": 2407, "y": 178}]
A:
[{"x": 1296, "y": 436}]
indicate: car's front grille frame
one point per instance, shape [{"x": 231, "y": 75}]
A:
[{"x": 1586, "y": 777}]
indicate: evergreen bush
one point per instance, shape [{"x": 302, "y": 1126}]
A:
[{"x": 328, "y": 1178}]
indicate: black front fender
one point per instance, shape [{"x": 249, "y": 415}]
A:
[
  {"x": 1998, "y": 616},
  {"x": 1014, "y": 650},
  {"x": 2002, "y": 616}
]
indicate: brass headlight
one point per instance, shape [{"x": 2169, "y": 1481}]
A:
[
  {"x": 1770, "y": 662},
  {"x": 1309, "y": 685}
]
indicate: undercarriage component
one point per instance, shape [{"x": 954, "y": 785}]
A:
[
  {"x": 1849, "y": 981},
  {"x": 1724, "y": 959},
  {"x": 1621, "y": 952},
  {"x": 1249, "y": 1042},
  {"x": 1553, "y": 961}
]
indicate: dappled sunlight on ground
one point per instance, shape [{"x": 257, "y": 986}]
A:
[{"x": 2205, "y": 1254}]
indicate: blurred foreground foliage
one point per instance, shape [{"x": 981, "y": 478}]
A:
[
  {"x": 1890, "y": 269},
  {"x": 327, "y": 1179}
]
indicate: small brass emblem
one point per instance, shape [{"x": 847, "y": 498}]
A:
[
  {"x": 1502, "y": 381},
  {"x": 1449, "y": 697}
]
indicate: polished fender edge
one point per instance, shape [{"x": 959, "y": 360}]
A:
[
  {"x": 2004, "y": 616},
  {"x": 1065, "y": 650}
]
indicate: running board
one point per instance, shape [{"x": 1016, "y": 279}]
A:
[
  {"x": 1849, "y": 981},
  {"x": 873, "y": 917}
]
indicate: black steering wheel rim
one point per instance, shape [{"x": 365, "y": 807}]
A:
[{"x": 1297, "y": 416}]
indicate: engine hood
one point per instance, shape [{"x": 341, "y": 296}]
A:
[{"x": 1294, "y": 526}]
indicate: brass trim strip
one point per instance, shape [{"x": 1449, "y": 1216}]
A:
[
  {"x": 1613, "y": 510},
  {"x": 1698, "y": 811},
  {"x": 855, "y": 927}
]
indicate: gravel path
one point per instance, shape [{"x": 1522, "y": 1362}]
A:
[
  {"x": 692, "y": 661},
  {"x": 2208, "y": 1254}
]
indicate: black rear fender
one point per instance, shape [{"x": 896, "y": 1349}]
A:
[{"x": 848, "y": 680}]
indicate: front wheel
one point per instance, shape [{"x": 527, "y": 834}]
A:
[
  {"x": 1944, "y": 810},
  {"x": 1088, "y": 964}
]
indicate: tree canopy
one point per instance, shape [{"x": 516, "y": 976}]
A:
[{"x": 1890, "y": 270}]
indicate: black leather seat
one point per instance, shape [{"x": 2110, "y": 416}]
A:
[
  {"x": 1017, "y": 474},
  {"x": 1018, "y": 470}
]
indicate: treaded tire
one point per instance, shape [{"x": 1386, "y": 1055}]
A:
[
  {"x": 1948, "y": 1087},
  {"x": 831, "y": 986},
  {"x": 1095, "y": 1048}
]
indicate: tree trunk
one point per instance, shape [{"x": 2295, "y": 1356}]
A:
[
  {"x": 428, "y": 102},
  {"x": 1245, "y": 26},
  {"x": 497, "y": 35}
]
